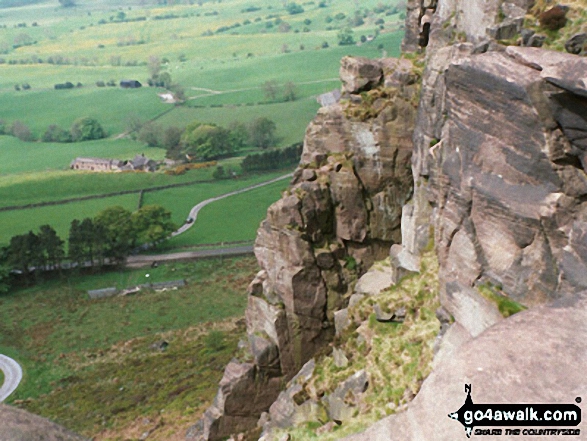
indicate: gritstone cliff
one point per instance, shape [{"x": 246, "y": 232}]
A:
[{"x": 498, "y": 155}]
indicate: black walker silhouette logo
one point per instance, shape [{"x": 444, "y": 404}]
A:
[{"x": 471, "y": 415}]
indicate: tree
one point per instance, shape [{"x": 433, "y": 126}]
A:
[
  {"x": 150, "y": 134},
  {"x": 171, "y": 137},
  {"x": 75, "y": 243},
  {"x": 346, "y": 37},
  {"x": 85, "y": 129},
  {"x": 294, "y": 8},
  {"x": 206, "y": 141},
  {"x": 52, "y": 246},
  {"x": 262, "y": 132},
  {"x": 24, "y": 252},
  {"x": 67, "y": 3},
  {"x": 271, "y": 89},
  {"x": 54, "y": 133},
  {"x": 152, "y": 223},
  {"x": 239, "y": 135},
  {"x": 290, "y": 92},
  {"x": 21, "y": 131},
  {"x": 154, "y": 66},
  {"x": 119, "y": 233},
  {"x": 5, "y": 278}
]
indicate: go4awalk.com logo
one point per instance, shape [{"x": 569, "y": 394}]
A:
[{"x": 523, "y": 416}]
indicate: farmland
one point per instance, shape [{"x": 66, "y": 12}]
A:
[
  {"x": 80, "y": 352},
  {"x": 89, "y": 364}
]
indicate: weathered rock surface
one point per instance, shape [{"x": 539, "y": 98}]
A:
[
  {"x": 504, "y": 365},
  {"x": 19, "y": 425},
  {"x": 341, "y": 213}
]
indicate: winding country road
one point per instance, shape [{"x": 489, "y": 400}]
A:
[
  {"x": 139, "y": 261},
  {"x": 12, "y": 376},
  {"x": 196, "y": 209}
]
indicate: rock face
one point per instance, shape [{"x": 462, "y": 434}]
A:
[
  {"x": 341, "y": 213},
  {"x": 500, "y": 167},
  {"x": 19, "y": 425},
  {"x": 498, "y": 373}
]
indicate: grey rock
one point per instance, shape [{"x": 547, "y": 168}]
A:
[
  {"x": 470, "y": 309},
  {"x": 359, "y": 74},
  {"x": 536, "y": 40},
  {"x": 577, "y": 43},
  {"x": 339, "y": 357},
  {"x": 374, "y": 281},
  {"x": 341, "y": 320},
  {"x": 20, "y": 425},
  {"x": 526, "y": 34},
  {"x": 569, "y": 75},
  {"x": 402, "y": 263},
  {"x": 308, "y": 175},
  {"x": 506, "y": 30},
  {"x": 339, "y": 408},
  {"x": 355, "y": 299}
]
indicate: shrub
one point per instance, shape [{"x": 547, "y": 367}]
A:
[
  {"x": 294, "y": 8},
  {"x": 553, "y": 19},
  {"x": 21, "y": 131},
  {"x": 100, "y": 84}
]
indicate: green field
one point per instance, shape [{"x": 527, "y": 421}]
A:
[
  {"x": 221, "y": 53},
  {"x": 230, "y": 219},
  {"x": 178, "y": 200},
  {"x": 65, "y": 341}
]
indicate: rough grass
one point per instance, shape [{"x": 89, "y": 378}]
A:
[
  {"x": 576, "y": 22},
  {"x": 505, "y": 305},
  {"x": 78, "y": 353},
  {"x": 396, "y": 356}
]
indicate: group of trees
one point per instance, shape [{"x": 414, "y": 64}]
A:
[
  {"x": 273, "y": 91},
  {"x": 163, "y": 79},
  {"x": 107, "y": 238},
  {"x": 82, "y": 129},
  {"x": 205, "y": 141},
  {"x": 273, "y": 159}
]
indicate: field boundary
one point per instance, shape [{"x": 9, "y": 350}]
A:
[{"x": 104, "y": 195}]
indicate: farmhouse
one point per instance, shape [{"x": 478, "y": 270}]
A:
[
  {"x": 96, "y": 164},
  {"x": 138, "y": 163},
  {"x": 130, "y": 84},
  {"x": 142, "y": 163}
]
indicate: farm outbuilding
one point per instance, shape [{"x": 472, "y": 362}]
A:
[{"x": 130, "y": 84}]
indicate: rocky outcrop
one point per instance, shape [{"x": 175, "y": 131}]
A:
[
  {"x": 341, "y": 212},
  {"x": 499, "y": 164},
  {"x": 19, "y": 425},
  {"x": 499, "y": 371}
]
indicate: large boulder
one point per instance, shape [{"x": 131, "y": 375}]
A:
[
  {"x": 537, "y": 356},
  {"x": 19, "y": 425}
]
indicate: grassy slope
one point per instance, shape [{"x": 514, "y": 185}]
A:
[{"x": 72, "y": 345}]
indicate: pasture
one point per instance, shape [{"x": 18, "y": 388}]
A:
[
  {"x": 220, "y": 53},
  {"x": 71, "y": 347}
]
